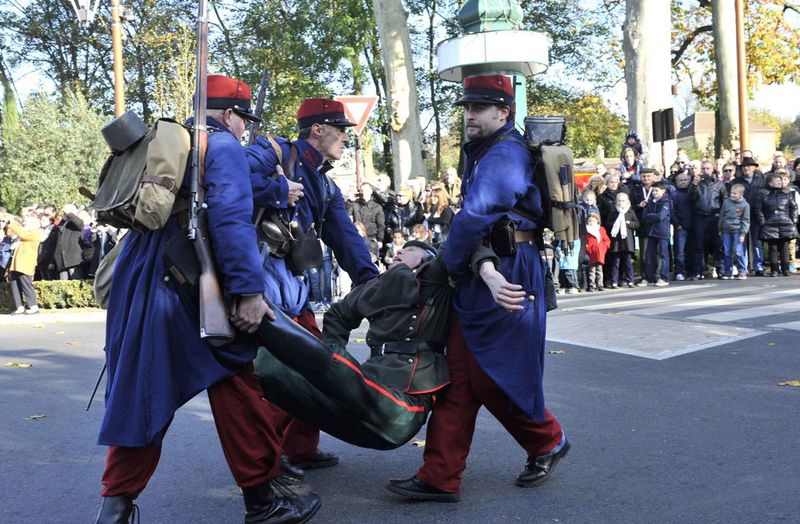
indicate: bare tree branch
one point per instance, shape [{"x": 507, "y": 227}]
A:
[{"x": 678, "y": 53}]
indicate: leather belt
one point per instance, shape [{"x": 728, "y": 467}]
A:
[
  {"x": 524, "y": 236},
  {"x": 412, "y": 347}
]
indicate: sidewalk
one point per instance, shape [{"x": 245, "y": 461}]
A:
[{"x": 54, "y": 316}]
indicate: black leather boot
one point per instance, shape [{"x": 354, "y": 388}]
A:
[
  {"x": 290, "y": 470},
  {"x": 293, "y": 345},
  {"x": 273, "y": 503},
  {"x": 116, "y": 510}
]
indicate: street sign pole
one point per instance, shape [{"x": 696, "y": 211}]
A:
[{"x": 358, "y": 109}]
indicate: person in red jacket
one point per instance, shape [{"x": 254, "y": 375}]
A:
[{"x": 597, "y": 244}]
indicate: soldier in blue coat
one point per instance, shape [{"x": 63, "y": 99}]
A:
[
  {"x": 156, "y": 359},
  {"x": 321, "y": 211},
  {"x": 495, "y": 351}
]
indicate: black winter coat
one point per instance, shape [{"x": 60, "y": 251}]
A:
[
  {"x": 404, "y": 217},
  {"x": 623, "y": 245},
  {"x": 776, "y": 213},
  {"x": 69, "y": 252}
]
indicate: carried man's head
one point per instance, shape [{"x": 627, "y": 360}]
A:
[
  {"x": 228, "y": 102},
  {"x": 413, "y": 254},
  {"x": 323, "y": 123},
  {"x": 488, "y": 102}
]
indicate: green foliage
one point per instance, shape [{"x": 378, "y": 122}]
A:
[
  {"x": 56, "y": 149},
  {"x": 54, "y": 294},
  {"x": 589, "y": 121},
  {"x": 772, "y": 46}
]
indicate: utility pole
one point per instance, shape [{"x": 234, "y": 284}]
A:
[
  {"x": 116, "y": 39},
  {"x": 741, "y": 66}
]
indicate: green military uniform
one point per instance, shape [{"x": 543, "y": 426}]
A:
[{"x": 382, "y": 403}]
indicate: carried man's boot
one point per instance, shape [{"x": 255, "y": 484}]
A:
[
  {"x": 115, "y": 510},
  {"x": 274, "y": 503}
]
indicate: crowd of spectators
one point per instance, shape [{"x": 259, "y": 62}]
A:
[
  {"x": 44, "y": 243},
  {"x": 720, "y": 219}
]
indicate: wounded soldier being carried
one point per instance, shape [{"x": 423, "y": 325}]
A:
[{"x": 383, "y": 402}]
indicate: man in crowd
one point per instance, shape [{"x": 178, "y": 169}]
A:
[
  {"x": 754, "y": 183},
  {"x": 319, "y": 210},
  {"x": 707, "y": 198},
  {"x": 495, "y": 351},
  {"x": 46, "y": 263},
  {"x": 370, "y": 213},
  {"x": 69, "y": 254},
  {"x": 156, "y": 359},
  {"x": 640, "y": 195}
]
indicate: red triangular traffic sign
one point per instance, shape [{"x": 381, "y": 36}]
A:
[{"x": 358, "y": 108}]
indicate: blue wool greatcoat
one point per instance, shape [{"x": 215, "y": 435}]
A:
[
  {"x": 322, "y": 206},
  {"x": 156, "y": 359},
  {"x": 508, "y": 346}
]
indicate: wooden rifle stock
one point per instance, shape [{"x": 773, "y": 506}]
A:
[{"x": 215, "y": 328}]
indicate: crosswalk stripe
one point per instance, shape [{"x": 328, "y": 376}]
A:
[
  {"x": 750, "y": 313},
  {"x": 714, "y": 302},
  {"x": 677, "y": 292},
  {"x": 787, "y": 325}
]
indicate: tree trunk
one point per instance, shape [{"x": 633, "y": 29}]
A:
[
  {"x": 401, "y": 91},
  {"x": 437, "y": 169},
  {"x": 723, "y": 14},
  {"x": 646, "y": 42}
]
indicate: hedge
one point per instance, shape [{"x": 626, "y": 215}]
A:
[{"x": 54, "y": 294}]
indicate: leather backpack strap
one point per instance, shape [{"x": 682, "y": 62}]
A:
[{"x": 292, "y": 163}]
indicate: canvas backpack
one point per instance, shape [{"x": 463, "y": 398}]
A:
[
  {"x": 554, "y": 175},
  {"x": 139, "y": 185}
]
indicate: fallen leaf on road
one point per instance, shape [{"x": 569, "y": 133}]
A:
[
  {"x": 37, "y": 326},
  {"x": 34, "y": 417},
  {"x": 17, "y": 365},
  {"x": 418, "y": 443},
  {"x": 770, "y": 344},
  {"x": 58, "y": 333},
  {"x": 791, "y": 383},
  {"x": 73, "y": 343},
  {"x": 557, "y": 352}
]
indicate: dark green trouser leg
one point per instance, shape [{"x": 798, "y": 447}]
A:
[{"x": 331, "y": 392}]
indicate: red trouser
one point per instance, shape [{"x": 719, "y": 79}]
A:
[
  {"x": 299, "y": 439},
  {"x": 246, "y": 432},
  {"x": 452, "y": 422}
]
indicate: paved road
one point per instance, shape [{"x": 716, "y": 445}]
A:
[{"x": 664, "y": 428}]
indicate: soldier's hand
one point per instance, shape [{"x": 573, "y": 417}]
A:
[
  {"x": 250, "y": 312},
  {"x": 295, "y": 192},
  {"x": 507, "y": 295}
]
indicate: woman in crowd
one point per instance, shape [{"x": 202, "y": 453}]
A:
[
  {"x": 441, "y": 215},
  {"x": 630, "y": 166},
  {"x": 776, "y": 213},
  {"x": 23, "y": 265},
  {"x": 404, "y": 213}
]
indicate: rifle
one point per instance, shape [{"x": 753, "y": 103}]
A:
[
  {"x": 259, "y": 109},
  {"x": 214, "y": 325}
]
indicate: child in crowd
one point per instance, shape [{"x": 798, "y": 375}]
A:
[
  {"x": 569, "y": 261},
  {"x": 655, "y": 218},
  {"x": 421, "y": 233},
  {"x": 597, "y": 243},
  {"x": 734, "y": 223},
  {"x": 372, "y": 244},
  {"x": 624, "y": 223},
  {"x": 398, "y": 239},
  {"x": 681, "y": 219},
  {"x": 787, "y": 183},
  {"x": 776, "y": 213},
  {"x": 588, "y": 204},
  {"x": 550, "y": 256}
]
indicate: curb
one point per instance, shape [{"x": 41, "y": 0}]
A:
[{"x": 72, "y": 316}]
